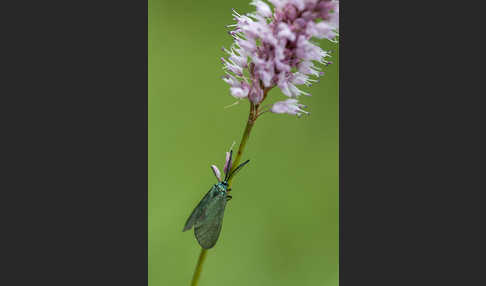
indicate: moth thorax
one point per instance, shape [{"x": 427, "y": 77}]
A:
[{"x": 223, "y": 186}]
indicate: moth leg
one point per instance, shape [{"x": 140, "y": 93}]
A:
[{"x": 228, "y": 198}]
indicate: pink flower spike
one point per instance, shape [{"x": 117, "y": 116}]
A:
[
  {"x": 274, "y": 47},
  {"x": 216, "y": 172}
]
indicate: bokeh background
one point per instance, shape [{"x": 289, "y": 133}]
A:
[{"x": 281, "y": 228}]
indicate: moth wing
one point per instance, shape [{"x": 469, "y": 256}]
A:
[
  {"x": 198, "y": 211},
  {"x": 207, "y": 230}
]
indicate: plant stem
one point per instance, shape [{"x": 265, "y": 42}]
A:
[
  {"x": 252, "y": 116},
  {"x": 200, "y": 262},
  {"x": 246, "y": 134}
]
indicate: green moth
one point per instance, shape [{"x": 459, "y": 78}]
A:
[{"x": 207, "y": 217}]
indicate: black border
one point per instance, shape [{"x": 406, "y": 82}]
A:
[
  {"x": 75, "y": 109},
  {"x": 409, "y": 142}
]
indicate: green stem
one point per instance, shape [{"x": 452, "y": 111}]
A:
[
  {"x": 200, "y": 262},
  {"x": 246, "y": 134}
]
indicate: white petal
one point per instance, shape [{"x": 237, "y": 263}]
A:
[
  {"x": 262, "y": 8},
  {"x": 216, "y": 172}
]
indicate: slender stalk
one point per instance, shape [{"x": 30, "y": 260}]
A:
[
  {"x": 246, "y": 134},
  {"x": 252, "y": 116},
  {"x": 200, "y": 262}
]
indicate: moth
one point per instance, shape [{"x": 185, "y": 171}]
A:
[{"x": 207, "y": 217}]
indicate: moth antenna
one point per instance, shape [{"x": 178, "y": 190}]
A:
[{"x": 238, "y": 168}]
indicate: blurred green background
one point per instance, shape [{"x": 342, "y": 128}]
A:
[{"x": 281, "y": 228}]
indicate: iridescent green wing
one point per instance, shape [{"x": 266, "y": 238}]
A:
[
  {"x": 207, "y": 230},
  {"x": 198, "y": 211}
]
